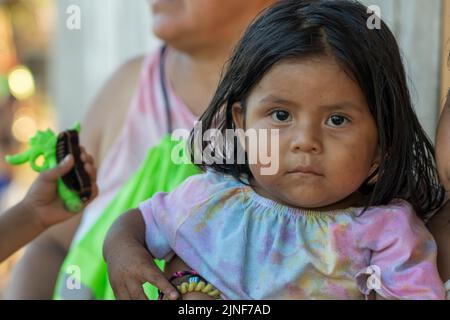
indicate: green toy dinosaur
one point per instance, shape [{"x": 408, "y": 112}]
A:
[{"x": 43, "y": 145}]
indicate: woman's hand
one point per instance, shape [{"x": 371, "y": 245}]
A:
[
  {"x": 130, "y": 265},
  {"x": 40, "y": 209},
  {"x": 42, "y": 200}
]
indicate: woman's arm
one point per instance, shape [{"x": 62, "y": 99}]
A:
[{"x": 34, "y": 276}]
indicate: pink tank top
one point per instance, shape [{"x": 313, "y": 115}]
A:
[{"x": 145, "y": 125}]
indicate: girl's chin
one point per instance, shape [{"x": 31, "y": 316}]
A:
[{"x": 306, "y": 203}]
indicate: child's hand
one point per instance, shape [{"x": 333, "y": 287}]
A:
[
  {"x": 175, "y": 265},
  {"x": 130, "y": 268},
  {"x": 42, "y": 200},
  {"x": 130, "y": 265}
]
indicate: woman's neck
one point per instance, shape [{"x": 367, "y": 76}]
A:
[{"x": 195, "y": 76}]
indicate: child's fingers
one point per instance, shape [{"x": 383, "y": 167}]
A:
[
  {"x": 94, "y": 191},
  {"x": 135, "y": 291},
  {"x": 158, "y": 280},
  {"x": 63, "y": 167},
  {"x": 121, "y": 292},
  {"x": 86, "y": 157},
  {"x": 83, "y": 154},
  {"x": 91, "y": 171},
  {"x": 94, "y": 194}
]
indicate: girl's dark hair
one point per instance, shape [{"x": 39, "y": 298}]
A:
[{"x": 299, "y": 29}]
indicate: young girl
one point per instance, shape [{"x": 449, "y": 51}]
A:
[{"x": 342, "y": 214}]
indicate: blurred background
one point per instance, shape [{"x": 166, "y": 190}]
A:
[{"x": 56, "y": 54}]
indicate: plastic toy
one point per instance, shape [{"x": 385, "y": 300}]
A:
[{"x": 74, "y": 188}]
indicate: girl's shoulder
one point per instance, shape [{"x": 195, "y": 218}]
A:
[
  {"x": 395, "y": 207},
  {"x": 398, "y": 211},
  {"x": 389, "y": 223}
]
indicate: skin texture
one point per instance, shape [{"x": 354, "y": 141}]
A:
[
  {"x": 191, "y": 28},
  {"x": 324, "y": 125}
]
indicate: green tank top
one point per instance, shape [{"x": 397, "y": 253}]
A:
[{"x": 83, "y": 275}]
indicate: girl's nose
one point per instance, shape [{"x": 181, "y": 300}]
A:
[{"x": 306, "y": 140}]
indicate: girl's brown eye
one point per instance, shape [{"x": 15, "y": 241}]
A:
[
  {"x": 281, "y": 116},
  {"x": 337, "y": 121}
]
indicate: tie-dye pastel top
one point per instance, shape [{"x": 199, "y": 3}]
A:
[{"x": 250, "y": 247}]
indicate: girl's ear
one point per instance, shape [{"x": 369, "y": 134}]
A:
[
  {"x": 237, "y": 112},
  {"x": 377, "y": 159},
  {"x": 372, "y": 177},
  {"x": 376, "y": 162}
]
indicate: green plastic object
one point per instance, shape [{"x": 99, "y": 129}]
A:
[{"x": 43, "y": 145}]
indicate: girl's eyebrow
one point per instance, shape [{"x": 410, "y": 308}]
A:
[
  {"x": 278, "y": 100},
  {"x": 344, "y": 105}
]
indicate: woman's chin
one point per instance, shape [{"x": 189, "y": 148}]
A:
[
  {"x": 158, "y": 5},
  {"x": 165, "y": 28}
]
